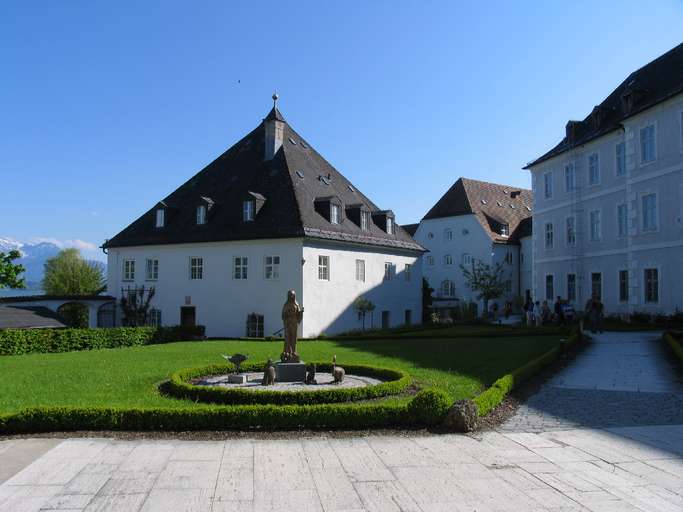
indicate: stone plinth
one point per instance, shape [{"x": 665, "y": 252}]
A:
[
  {"x": 290, "y": 372},
  {"x": 238, "y": 378}
]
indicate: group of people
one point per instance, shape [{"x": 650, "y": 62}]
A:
[{"x": 538, "y": 314}]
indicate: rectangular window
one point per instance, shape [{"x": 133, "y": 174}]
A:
[
  {"x": 647, "y": 144},
  {"x": 408, "y": 317},
  {"x": 160, "y": 218},
  {"x": 240, "y": 269},
  {"x": 364, "y": 220},
  {"x": 201, "y": 214},
  {"x": 549, "y": 236},
  {"x": 571, "y": 287},
  {"x": 549, "y": 287},
  {"x": 593, "y": 169},
  {"x": 448, "y": 260},
  {"x": 548, "y": 185},
  {"x": 620, "y": 156},
  {"x": 152, "y": 269},
  {"x": 569, "y": 178},
  {"x": 272, "y": 270},
  {"x": 651, "y": 285},
  {"x": 570, "y": 234},
  {"x": 196, "y": 268},
  {"x": 596, "y": 225},
  {"x": 649, "y": 202},
  {"x": 448, "y": 234},
  {"x": 324, "y": 268},
  {"x": 389, "y": 271},
  {"x": 360, "y": 270},
  {"x": 406, "y": 271},
  {"x": 623, "y": 286},
  {"x": 129, "y": 270},
  {"x": 430, "y": 261},
  {"x": 254, "y": 326},
  {"x": 154, "y": 317},
  {"x": 248, "y": 211},
  {"x": 596, "y": 284},
  {"x": 335, "y": 213},
  {"x": 622, "y": 220},
  {"x": 390, "y": 226}
]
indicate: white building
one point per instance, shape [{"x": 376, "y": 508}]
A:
[
  {"x": 267, "y": 216},
  {"x": 608, "y": 199},
  {"x": 476, "y": 221}
]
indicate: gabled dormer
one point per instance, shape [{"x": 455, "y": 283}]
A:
[
  {"x": 203, "y": 210},
  {"x": 385, "y": 220},
  {"x": 360, "y": 215},
  {"x": 330, "y": 207},
  {"x": 161, "y": 215},
  {"x": 252, "y": 202}
]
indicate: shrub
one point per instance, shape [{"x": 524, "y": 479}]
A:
[
  {"x": 675, "y": 341},
  {"x": 25, "y": 341},
  {"x": 178, "y": 386},
  {"x": 429, "y": 407}
]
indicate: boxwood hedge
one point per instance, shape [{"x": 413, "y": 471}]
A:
[
  {"x": 675, "y": 341},
  {"x": 26, "y": 341},
  {"x": 396, "y": 382},
  {"x": 494, "y": 395},
  {"x": 427, "y": 407}
]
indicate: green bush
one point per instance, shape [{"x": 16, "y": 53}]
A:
[
  {"x": 429, "y": 407},
  {"x": 26, "y": 341},
  {"x": 178, "y": 386},
  {"x": 675, "y": 341},
  {"x": 494, "y": 395}
]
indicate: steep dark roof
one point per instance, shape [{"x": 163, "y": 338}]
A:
[
  {"x": 653, "y": 83},
  {"x": 16, "y": 317},
  {"x": 411, "y": 228},
  {"x": 492, "y": 204},
  {"x": 524, "y": 229},
  {"x": 290, "y": 183}
]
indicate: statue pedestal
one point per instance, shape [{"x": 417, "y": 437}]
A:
[
  {"x": 237, "y": 378},
  {"x": 290, "y": 372}
]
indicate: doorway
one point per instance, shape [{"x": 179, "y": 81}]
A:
[
  {"x": 385, "y": 319},
  {"x": 187, "y": 316}
]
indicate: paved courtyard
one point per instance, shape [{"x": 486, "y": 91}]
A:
[{"x": 558, "y": 465}]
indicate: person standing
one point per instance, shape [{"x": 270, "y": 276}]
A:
[
  {"x": 537, "y": 314},
  {"x": 529, "y": 312},
  {"x": 559, "y": 312}
]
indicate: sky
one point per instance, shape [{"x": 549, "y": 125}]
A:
[{"x": 107, "y": 107}]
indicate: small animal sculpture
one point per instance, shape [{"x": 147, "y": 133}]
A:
[
  {"x": 237, "y": 360},
  {"x": 268, "y": 374},
  {"x": 310, "y": 376},
  {"x": 337, "y": 371}
]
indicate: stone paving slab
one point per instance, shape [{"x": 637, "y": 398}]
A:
[{"x": 626, "y": 468}]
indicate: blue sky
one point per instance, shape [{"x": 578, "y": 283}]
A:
[{"x": 108, "y": 107}]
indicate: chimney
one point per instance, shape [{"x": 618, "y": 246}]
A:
[
  {"x": 572, "y": 131},
  {"x": 275, "y": 131}
]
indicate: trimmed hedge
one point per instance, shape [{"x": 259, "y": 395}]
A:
[
  {"x": 429, "y": 406},
  {"x": 27, "y": 341},
  {"x": 441, "y": 332},
  {"x": 494, "y": 395},
  {"x": 675, "y": 341},
  {"x": 396, "y": 382}
]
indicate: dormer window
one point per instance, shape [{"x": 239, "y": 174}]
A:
[
  {"x": 335, "y": 213},
  {"x": 201, "y": 214},
  {"x": 390, "y": 226},
  {"x": 505, "y": 230},
  {"x": 384, "y": 220},
  {"x": 248, "y": 210},
  {"x": 160, "y": 218},
  {"x": 364, "y": 220}
]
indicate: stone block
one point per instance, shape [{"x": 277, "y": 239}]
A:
[
  {"x": 237, "y": 378},
  {"x": 290, "y": 372}
]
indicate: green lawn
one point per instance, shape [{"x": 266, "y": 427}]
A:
[{"x": 129, "y": 376}]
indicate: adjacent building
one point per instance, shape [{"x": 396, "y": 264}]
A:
[
  {"x": 268, "y": 215},
  {"x": 608, "y": 199},
  {"x": 473, "y": 222}
]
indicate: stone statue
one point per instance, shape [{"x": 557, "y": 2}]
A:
[
  {"x": 292, "y": 315},
  {"x": 337, "y": 372},
  {"x": 268, "y": 374},
  {"x": 310, "y": 376}
]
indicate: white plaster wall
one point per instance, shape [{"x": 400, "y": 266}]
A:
[
  {"x": 328, "y": 304},
  {"x": 222, "y": 303},
  {"x": 662, "y": 248},
  {"x": 526, "y": 258}
]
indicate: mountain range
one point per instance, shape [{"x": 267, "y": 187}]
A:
[{"x": 33, "y": 258}]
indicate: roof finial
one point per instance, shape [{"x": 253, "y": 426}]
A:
[{"x": 275, "y": 98}]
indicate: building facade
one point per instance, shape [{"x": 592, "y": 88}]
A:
[
  {"x": 267, "y": 216},
  {"x": 608, "y": 199},
  {"x": 475, "y": 222}
]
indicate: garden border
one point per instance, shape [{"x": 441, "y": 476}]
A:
[
  {"x": 177, "y": 386},
  {"x": 675, "y": 344}
]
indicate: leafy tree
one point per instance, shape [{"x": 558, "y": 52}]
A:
[
  {"x": 427, "y": 302},
  {"x": 9, "y": 272},
  {"x": 69, "y": 274},
  {"x": 363, "y": 306},
  {"x": 487, "y": 282},
  {"x": 135, "y": 304}
]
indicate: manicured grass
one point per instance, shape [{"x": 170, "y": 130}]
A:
[{"x": 129, "y": 377}]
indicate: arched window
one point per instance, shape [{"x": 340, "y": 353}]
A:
[{"x": 447, "y": 288}]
